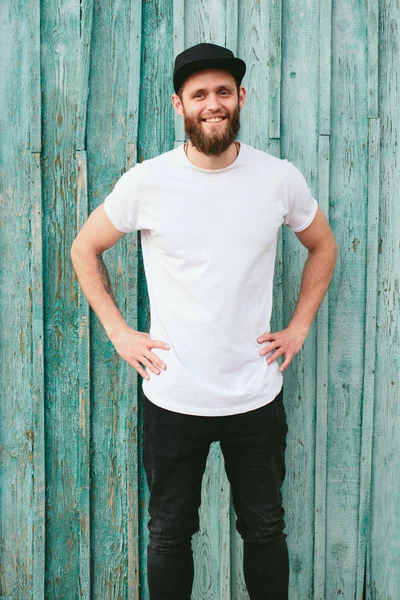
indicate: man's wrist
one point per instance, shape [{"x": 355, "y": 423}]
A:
[
  {"x": 113, "y": 331},
  {"x": 299, "y": 327}
]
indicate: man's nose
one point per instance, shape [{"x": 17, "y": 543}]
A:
[{"x": 213, "y": 102}]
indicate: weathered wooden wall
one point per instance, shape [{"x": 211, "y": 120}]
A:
[{"x": 85, "y": 93}]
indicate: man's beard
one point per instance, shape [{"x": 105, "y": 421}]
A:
[{"x": 212, "y": 144}]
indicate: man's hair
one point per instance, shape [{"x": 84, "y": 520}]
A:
[{"x": 180, "y": 91}]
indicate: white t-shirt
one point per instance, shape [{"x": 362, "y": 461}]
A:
[{"x": 209, "y": 244}]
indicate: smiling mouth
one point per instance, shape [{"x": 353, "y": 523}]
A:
[{"x": 214, "y": 120}]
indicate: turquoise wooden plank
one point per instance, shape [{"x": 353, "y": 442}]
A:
[
  {"x": 84, "y": 394},
  {"x": 384, "y": 543},
  {"x": 38, "y": 384},
  {"x": 232, "y": 21},
  {"x": 373, "y": 58},
  {"x": 60, "y": 53},
  {"x": 370, "y": 353},
  {"x": 37, "y": 432},
  {"x": 322, "y": 319},
  {"x": 178, "y": 47},
  {"x": 322, "y": 368},
  {"x": 325, "y": 71},
  {"x": 132, "y": 449},
  {"x": 83, "y": 313},
  {"x": 83, "y": 67},
  {"x": 363, "y": 584},
  {"x": 299, "y": 114},
  {"x": 274, "y": 63},
  {"x": 111, "y": 129},
  {"x": 253, "y": 49},
  {"x": 349, "y": 135},
  {"x": 21, "y": 405}
]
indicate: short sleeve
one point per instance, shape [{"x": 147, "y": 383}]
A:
[
  {"x": 300, "y": 207},
  {"x": 122, "y": 205}
]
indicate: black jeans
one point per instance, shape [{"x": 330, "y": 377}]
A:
[{"x": 175, "y": 450}]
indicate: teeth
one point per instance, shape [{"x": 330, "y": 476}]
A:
[{"x": 214, "y": 120}]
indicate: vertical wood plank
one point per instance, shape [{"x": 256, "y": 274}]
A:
[
  {"x": 274, "y": 48},
  {"x": 274, "y": 68},
  {"x": 22, "y": 498},
  {"x": 60, "y": 53},
  {"x": 363, "y": 570},
  {"x": 299, "y": 144},
  {"x": 84, "y": 396},
  {"x": 179, "y": 46},
  {"x": 321, "y": 418},
  {"x": 232, "y": 26},
  {"x": 132, "y": 426},
  {"x": 83, "y": 311},
  {"x": 384, "y": 544},
  {"x": 370, "y": 349},
  {"x": 38, "y": 433},
  {"x": 322, "y": 320},
  {"x": 112, "y": 124},
  {"x": 349, "y": 163},
  {"x": 253, "y": 49}
]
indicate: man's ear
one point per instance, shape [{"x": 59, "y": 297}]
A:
[
  {"x": 242, "y": 97},
  {"x": 177, "y": 104}
]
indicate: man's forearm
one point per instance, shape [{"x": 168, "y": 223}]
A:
[
  {"x": 95, "y": 283},
  {"x": 316, "y": 277}
]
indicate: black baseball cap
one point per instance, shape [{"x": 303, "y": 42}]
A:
[{"x": 206, "y": 56}]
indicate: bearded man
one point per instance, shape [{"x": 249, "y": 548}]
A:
[{"x": 209, "y": 212}]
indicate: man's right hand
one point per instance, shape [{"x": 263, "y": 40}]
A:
[{"x": 135, "y": 347}]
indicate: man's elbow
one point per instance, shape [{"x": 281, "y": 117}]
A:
[{"x": 80, "y": 248}]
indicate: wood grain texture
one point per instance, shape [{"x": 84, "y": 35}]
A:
[
  {"x": 84, "y": 396},
  {"x": 155, "y": 135},
  {"x": 37, "y": 433},
  {"x": 299, "y": 144},
  {"x": 349, "y": 168},
  {"x": 113, "y": 119},
  {"x": 133, "y": 456},
  {"x": 321, "y": 410},
  {"x": 384, "y": 539},
  {"x": 322, "y": 319},
  {"x": 363, "y": 584},
  {"x": 83, "y": 309},
  {"x": 179, "y": 46},
  {"x": 21, "y": 326},
  {"x": 60, "y": 53}
]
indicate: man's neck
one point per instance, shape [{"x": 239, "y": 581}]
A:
[{"x": 212, "y": 162}]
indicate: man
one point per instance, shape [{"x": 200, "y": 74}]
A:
[{"x": 209, "y": 212}]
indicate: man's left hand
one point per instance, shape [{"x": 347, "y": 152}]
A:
[{"x": 287, "y": 342}]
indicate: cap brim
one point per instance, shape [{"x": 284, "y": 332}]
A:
[{"x": 236, "y": 66}]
